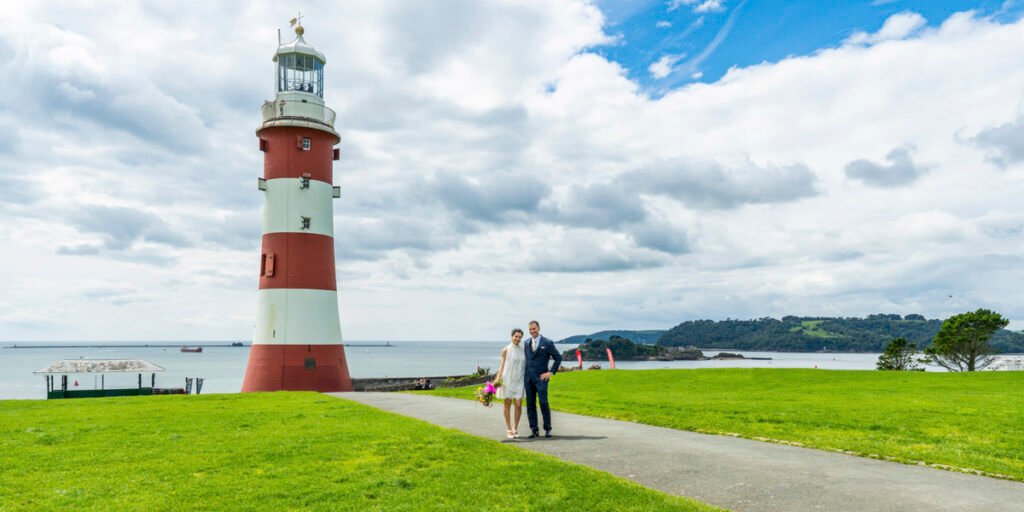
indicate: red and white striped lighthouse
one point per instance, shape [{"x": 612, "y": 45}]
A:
[{"x": 297, "y": 344}]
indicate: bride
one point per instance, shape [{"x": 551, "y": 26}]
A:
[{"x": 512, "y": 373}]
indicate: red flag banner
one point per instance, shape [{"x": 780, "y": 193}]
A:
[
  {"x": 611, "y": 358},
  {"x": 579, "y": 357}
]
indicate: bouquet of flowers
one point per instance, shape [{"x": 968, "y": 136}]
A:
[{"x": 485, "y": 394}]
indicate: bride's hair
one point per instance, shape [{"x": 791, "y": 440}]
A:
[{"x": 514, "y": 331}]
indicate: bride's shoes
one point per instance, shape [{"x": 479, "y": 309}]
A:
[
  {"x": 509, "y": 433},
  {"x": 515, "y": 432}
]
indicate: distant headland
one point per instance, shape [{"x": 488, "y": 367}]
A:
[
  {"x": 624, "y": 349},
  {"x": 800, "y": 334}
]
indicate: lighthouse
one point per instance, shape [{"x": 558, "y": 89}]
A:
[{"x": 297, "y": 344}]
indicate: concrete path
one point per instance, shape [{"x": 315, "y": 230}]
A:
[{"x": 737, "y": 474}]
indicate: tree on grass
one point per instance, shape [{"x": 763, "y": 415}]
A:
[
  {"x": 899, "y": 355},
  {"x": 962, "y": 344}
]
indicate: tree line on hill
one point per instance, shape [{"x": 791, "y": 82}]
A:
[
  {"x": 965, "y": 342},
  {"x": 817, "y": 334},
  {"x": 803, "y": 334}
]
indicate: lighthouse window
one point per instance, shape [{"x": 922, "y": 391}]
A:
[
  {"x": 306, "y": 143},
  {"x": 305, "y": 222}
]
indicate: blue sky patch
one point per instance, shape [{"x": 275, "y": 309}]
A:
[{"x": 667, "y": 43}]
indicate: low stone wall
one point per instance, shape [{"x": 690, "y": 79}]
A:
[{"x": 409, "y": 383}]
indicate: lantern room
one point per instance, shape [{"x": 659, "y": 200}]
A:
[{"x": 300, "y": 67}]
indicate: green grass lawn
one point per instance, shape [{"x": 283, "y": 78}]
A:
[
  {"x": 278, "y": 451},
  {"x": 965, "y": 420}
]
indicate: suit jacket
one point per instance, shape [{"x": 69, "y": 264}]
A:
[{"x": 537, "y": 361}]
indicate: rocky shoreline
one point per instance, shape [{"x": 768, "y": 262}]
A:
[{"x": 693, "y": 354}]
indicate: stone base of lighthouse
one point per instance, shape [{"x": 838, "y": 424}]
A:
[{"x": 297, "y": 367}]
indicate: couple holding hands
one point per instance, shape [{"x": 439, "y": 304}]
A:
[{"x": 527, "y": 370}]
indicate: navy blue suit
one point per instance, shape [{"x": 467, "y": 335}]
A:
[{"x": 537, "y": 362}]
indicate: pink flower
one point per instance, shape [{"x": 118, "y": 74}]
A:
[{"x": 490, "y": 388}]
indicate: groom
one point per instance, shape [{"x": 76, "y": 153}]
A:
[{"x": 539, "y": 350}]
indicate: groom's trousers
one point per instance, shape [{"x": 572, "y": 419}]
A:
[{"x": 535, "y": 390}]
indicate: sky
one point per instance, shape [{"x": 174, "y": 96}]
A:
[{"x": 608, "y": 165}]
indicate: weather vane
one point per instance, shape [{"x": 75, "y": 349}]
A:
[{"x": 296, "y": 20}]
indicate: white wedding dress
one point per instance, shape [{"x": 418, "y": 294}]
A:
[{"x": 514, "y": 373}]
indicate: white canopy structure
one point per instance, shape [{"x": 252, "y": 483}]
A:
[{"x": 100, "y": 366}]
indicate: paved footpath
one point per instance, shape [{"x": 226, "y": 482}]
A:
[{"x": 737, "y": 474}]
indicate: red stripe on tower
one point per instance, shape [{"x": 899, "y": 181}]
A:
[
  {"x": 281, "y": 160},
  {"x": 297, "y": 260},
  {"x": 297, "y": 344}
]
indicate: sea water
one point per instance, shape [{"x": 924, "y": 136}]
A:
[{"x": 223, "y": 367}]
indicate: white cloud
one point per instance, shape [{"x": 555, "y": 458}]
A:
[
  {"x": 699, "y": 6},
  {"x": 494, "y": 169},
  {"x": 663, "y": 24},
  {"x": 589, "y": 251},
  {"x": 663, "y": 66},
  {"x": 897, "y": 26},
  {"x": 710, "y": 6}
]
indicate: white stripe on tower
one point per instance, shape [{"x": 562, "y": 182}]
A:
[
  {"x": 310, "y": 317},
  {"x": 287, "y": 203}
]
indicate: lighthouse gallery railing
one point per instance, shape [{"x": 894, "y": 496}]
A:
[{"x": 278, "y": 109}]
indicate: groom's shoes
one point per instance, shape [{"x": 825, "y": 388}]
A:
[
  {"x": 534, "y": 435},
  {"x": 547, "y": 433}
]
